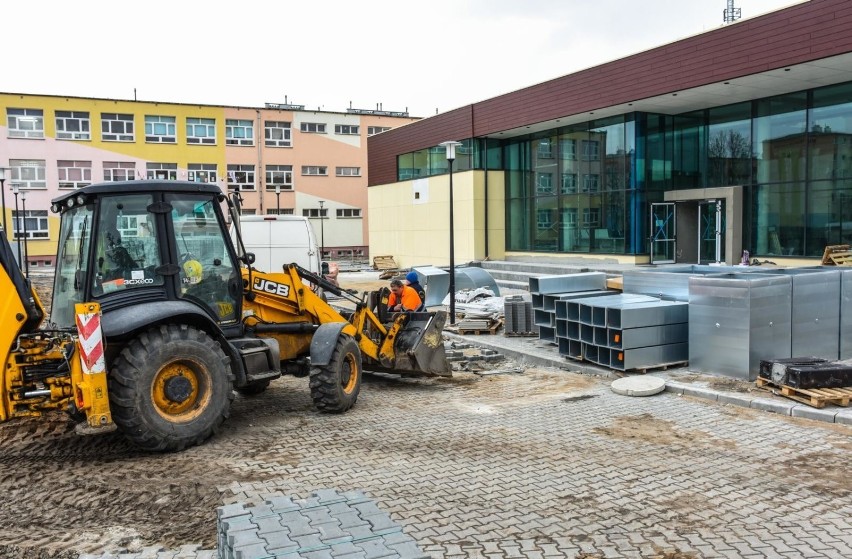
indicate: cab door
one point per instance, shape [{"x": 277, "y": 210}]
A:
[{"x": 208, "y": 273}]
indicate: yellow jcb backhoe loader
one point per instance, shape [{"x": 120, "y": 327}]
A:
[{"x": 157, "y": 319}]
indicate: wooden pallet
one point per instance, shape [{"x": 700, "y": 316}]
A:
[
  {"x": 841, "y": 258},
  {"x": 384, "y": 263},
  {"x": 834, "y": 250},
  {"x": 654, "y": 368},
  {"x": 490, "y": 330},
  {"x": 520, "y": 334},
  {"x": 815, "y": 397}
]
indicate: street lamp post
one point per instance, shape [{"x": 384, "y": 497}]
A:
[
  {"x": 15, "y": 234},
  {"x": 3, "y": 198},
  {"x": 322, "y": 230},
  {"x": 24, "y": 219},
  {"x": 450, "y": 146},
  {"x": 278, "y": 197}
]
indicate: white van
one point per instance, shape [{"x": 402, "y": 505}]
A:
[{"x": 278, "y": 240}]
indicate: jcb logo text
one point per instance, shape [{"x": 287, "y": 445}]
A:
[{"x": 271, "y": 287}]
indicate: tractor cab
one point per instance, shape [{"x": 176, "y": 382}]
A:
[{"x": 126, "y": 244}]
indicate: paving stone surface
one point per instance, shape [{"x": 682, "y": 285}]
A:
[{"x": 549, "y": 463}]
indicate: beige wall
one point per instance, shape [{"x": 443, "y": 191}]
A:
[{"x": 410, "y": 220}]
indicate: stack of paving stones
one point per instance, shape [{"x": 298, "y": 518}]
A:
[
  {"x": 327, "y": 525},
  {"x": 518, "y": 317},
  {"x": 456, "y": 354}
]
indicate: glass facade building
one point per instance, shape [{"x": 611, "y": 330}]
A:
[{"x": 589, "y": 187}]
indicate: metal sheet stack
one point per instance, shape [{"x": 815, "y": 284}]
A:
[
  {"x": 624, "y": 331},
  {"x": 546, "y": 290}
]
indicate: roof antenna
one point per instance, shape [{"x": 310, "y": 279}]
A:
[{"x": 731, "y": 14}]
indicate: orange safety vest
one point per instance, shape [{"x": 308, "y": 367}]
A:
[{"x": 410, "y": 299}]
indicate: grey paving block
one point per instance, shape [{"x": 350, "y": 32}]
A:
[
  {"x": 354, "y": 497},
  {"x": 675, "y": 387},
  {"x": 825, "y": 414},
  {"x": 367, "y": 508},
  {"x": 328, "y": 496},
  {"x": 376, "y": 548},
  {"x": 331, "y": 531},
  {"x": 350, "y": 519},
  {"x": 254, "y": 551},
  {"x": 698, "y": 392},
  {"x": 765, "y": 404},
  {"x": 844, "y": 416},
  {"x": 734, "y": 399},
  {"x": 229, "y": 511},
  {"x": 308, "y": 542},
  {"x": 278, "y": 539},
  {"x": 282, "y": 504}
]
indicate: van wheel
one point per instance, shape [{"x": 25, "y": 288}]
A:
[
  {"x": 335, "y": 387},
  {"x": 170, "y": 388}
]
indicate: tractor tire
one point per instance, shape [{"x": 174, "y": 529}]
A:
[
  {"x": 253, "y": 388},
  {"x": 335, "y": 387},
  {"x": 170, "y": 388}
]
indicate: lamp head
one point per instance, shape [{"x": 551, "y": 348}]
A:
[
  {"x": 450, "y": 146},
  {"x": 277, "y": 189},
  {"x": 15, "y": 189},
  {"x": 2, "y": 174}
]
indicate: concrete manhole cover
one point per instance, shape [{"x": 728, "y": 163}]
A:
[{"x": 638, "y": 386}]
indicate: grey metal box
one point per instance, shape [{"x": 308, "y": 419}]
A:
[
  {"x": 648, "y": 357},
  {"x": 846, "y": 314},
  {"x": 583, "y": 281},
  {"x": 648, "y": 336},
  {"x": 735, "y": 320},
  {"x": 671, "y": 282},
  {"x": 637, "y": 315},
  {"x": 815, "y": 310}
]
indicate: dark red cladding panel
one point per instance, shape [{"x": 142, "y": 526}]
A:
[{"x": 803, "y": 32}]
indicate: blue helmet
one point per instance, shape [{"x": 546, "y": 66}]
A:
[{"x": 411, "y": 277}]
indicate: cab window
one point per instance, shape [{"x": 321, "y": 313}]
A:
[
  {"x": 127, "y": 250},
  {"x": 207, "y": 274}
]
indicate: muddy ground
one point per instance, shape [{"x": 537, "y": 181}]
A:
[{"x": 64, "y": 494}]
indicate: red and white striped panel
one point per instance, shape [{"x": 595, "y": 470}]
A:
[{"x": 91, "y": 339}]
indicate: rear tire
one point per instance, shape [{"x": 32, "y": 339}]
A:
[
  {"x": 170, "y": 388},
  {"x": 335, "y": 387}
]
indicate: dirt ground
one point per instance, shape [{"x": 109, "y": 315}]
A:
[{"x": 64, "y": 494}]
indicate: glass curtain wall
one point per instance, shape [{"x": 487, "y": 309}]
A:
[
  {"x": 588, "y": 187},
  {"x": 574, "y": 195}
]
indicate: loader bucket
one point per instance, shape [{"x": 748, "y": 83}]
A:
[{"x": 419, "y": 347}]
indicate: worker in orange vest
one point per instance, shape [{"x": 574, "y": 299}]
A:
[{"x": 403, "y": 298}]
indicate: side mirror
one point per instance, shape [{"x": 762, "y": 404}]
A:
[{"x": 324, "y": 267}]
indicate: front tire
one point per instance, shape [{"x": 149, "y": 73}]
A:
[
  {"x": 335, "y": 387},
  {"x": 170, "y": 388}
]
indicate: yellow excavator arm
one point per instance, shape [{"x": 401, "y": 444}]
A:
[{"x": 405, "y": 343}]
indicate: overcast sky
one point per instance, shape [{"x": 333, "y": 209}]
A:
[{"x": 421, "y": 56}]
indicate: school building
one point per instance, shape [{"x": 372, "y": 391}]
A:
[{"x": 282, "y": 158}]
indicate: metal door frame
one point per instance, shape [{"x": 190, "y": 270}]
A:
[
  {"x": 718, "y": 229},
  {"x": 657, "y": 231}
]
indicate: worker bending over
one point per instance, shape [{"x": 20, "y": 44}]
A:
[{"x": 403, "y": 298}]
